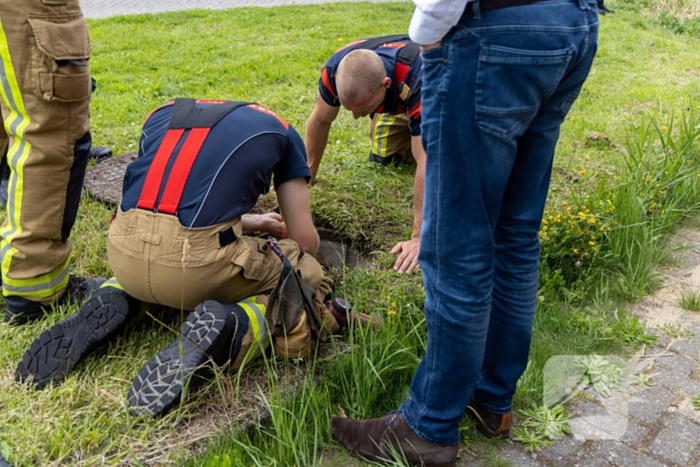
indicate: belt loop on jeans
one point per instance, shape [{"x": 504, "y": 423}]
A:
[{"x": 476, "y": 11}]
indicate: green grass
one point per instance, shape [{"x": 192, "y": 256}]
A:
[
  {"x": 690, "y": 300},
  {"x": 631, "y": 128}
]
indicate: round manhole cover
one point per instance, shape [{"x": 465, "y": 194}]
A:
[{"x": 104, "y": 180}]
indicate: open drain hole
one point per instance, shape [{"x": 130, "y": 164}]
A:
[{"x": 336, "y": 251}]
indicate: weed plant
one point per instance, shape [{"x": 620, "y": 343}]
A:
[
  {"x": 613, "y": 235},
  {"x": 690, "y": 300}
]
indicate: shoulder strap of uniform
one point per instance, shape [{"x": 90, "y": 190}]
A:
[
  {"x": 187, "y": 115},
  {"x": 199, "y": 121},
  {"x": 375, "y": 42},
  {"x": 409, "y": 53}
]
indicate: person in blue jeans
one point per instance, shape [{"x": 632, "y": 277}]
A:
[{"x": 499, "y": 77}]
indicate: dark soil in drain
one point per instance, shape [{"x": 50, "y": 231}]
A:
[{"x": 336, "y": 251}]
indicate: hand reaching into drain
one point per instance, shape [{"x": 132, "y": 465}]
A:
[
  {"x": 271, "y": 223},
  {"x": 407, "y": 252}
]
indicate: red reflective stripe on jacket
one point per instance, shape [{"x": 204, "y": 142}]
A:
[
  {"x": 181, "y": 170},
  {"x": 265, "y": 110},
  {"x": 327, "y": 82},
  {"x": 154, "y": 177},
  {"x": 415, "y": 111},
  {"x": 392, "y": 45},
  {"x": 400, "y": 72}
]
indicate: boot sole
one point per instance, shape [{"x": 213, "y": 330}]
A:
[
  {"x": 60, "y": 348},
  {"x": 162, "y": 382}
]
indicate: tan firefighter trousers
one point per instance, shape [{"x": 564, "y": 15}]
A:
[
  {"x": 44, "y": 52},
  {"x": 157, "y": 260}
]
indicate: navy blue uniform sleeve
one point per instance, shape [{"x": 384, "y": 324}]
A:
[
  {"x": 293, "y": 164},
  {"x": 413, "y": 105},
  {"x": 414, "y": 124},
  {"x": 326, "y": 86}
]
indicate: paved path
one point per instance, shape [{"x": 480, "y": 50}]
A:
[
  {"x": 107, "y": 8},
  {"x": 652, "y": 425}
]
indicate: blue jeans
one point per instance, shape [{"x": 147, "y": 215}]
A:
[{"x": 494, "y": 96}]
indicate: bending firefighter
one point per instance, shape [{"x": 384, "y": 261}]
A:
[
  {"x": 177, "y": 240},
  {"x": 379, "y": 77}
]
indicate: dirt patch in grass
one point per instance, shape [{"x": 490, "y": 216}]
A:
[{"x": 662, "y": 310}]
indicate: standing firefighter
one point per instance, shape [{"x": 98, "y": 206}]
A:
[
  {"x": 45, "y": 73},
  {"x": 177, "y": 240}
]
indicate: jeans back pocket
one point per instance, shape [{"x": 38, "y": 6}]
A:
[{"x": 512, "y": 83}]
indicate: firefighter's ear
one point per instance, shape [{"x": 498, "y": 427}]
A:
[{"x": 386, "y": 82}]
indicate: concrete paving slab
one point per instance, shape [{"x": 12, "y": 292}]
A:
[
  {"x": 677, "y": 441},
  {"x": 678, "y": 363},
  {"x": 650, "y": 404},
  {"x": 621, "y": 455}
]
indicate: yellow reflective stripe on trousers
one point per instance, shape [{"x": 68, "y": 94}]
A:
[
  {"x": 112, "y": 282},
  {"x": 17, "y": 154},
  {"x": 381, "y": 134},
  {"x": 37, "y": 287},
  {"x": 256, "y": 317}
]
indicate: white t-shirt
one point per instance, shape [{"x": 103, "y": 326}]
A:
[{"x": 432, "y": 19}]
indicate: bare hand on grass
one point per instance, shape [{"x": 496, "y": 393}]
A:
[{"x": 407, "y": 252}]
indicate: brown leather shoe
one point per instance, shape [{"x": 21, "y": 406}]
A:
[
  {"x": 390, "y": 438},
  {"x": 491, "y": 425}
]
